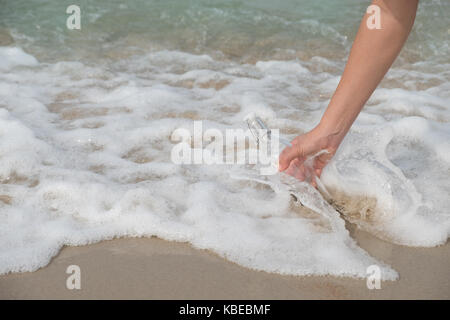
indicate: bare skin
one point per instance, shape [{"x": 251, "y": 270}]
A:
[{"x": 371, "y": 56}]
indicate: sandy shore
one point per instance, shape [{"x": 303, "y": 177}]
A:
[{"x": 158, "y": 269}]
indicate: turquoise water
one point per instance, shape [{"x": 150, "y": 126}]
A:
[
  {"x": 86, "y": 119},
  {"x": 238, "y": 29}
]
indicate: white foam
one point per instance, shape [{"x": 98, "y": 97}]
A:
[
  {"x": 362, "y": 168},
  {"x": 11, "y": 57},
  {"x": 87, "y": 153}
]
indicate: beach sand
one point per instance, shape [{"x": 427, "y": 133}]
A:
[{"x": 156, "y": 269}]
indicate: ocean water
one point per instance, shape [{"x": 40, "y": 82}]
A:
[{"x": 86, "y": 118}]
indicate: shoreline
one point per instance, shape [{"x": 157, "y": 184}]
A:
[{"x": 151, "y": 268}]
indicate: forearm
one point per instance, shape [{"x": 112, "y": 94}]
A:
[{"x": 372, "y": 54}]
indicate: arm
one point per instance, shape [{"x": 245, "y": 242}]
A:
[{"x": 372, "y": 54}]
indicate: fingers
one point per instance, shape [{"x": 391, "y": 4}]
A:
[
  {"x": 313, "y": 182},
  {"x": 318, "y": 172},
  {"x": 302, "y": 171},
  {"x": 298, "y": 160},
  {"x": 286, "y": 156},
  {"x": 296, "y": 169},
  {"x": 320, "y": 162},
  {"x": 301, "y": 148}
]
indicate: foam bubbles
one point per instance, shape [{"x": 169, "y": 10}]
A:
[
  {"x": 13, "y": 57},
  {"x": 85, "y": 156}
]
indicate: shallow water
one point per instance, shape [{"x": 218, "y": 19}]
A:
[{"x": 86, "y": 118}]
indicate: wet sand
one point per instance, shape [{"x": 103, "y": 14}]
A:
[{"x": 157, "y": 269}]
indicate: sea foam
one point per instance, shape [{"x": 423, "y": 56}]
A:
[{"x": 85, "y": 156}]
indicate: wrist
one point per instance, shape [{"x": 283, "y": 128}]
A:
[{"x": 330, "y": 134}]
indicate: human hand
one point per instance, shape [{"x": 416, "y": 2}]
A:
[{"x": 309, "y": 154}]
